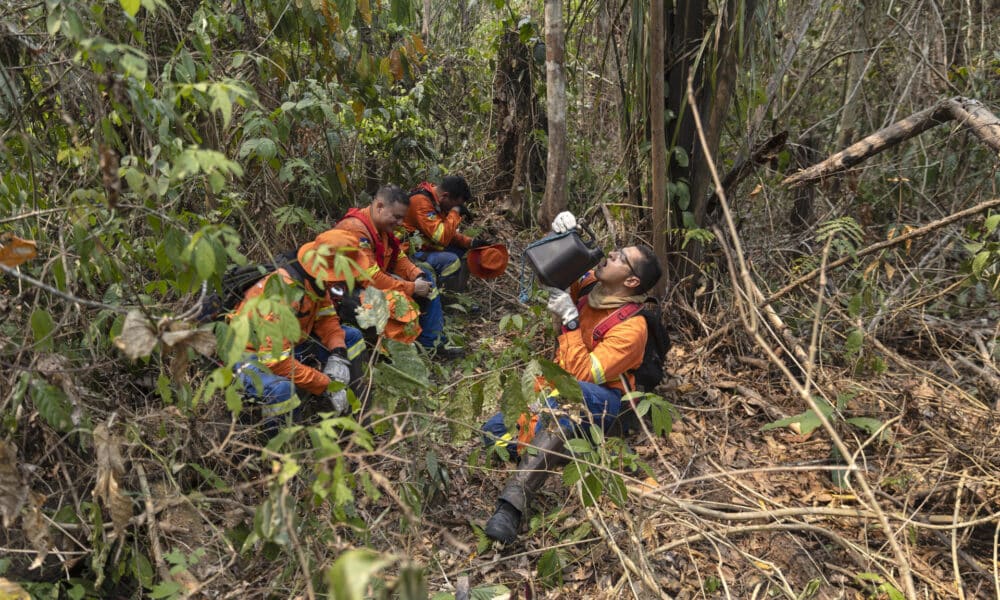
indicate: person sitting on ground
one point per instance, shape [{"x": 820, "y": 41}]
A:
[
  {"x": 272, "y": 373},
  {"x": 623, "y": 277},
  {"x": 390, "y": 270},
  {"x": 436, "y": 211}
]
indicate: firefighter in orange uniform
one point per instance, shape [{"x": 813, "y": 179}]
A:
[{"x": 598, "y": 363}]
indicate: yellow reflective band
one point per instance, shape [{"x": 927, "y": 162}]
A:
[
  {"x": 596, "y": 370},
  {"x": 504, "y": 440},
  {"x": 356, "y": 349},
  {"x": 278, "y": 408},
  {"x": 372, "y": 270},
  {"x": 326, "y": 312},
  {"x": 270, "y": 359},
  {"x": 452, "y": 267},
  {"x": 438, "y": 233},
  {"x": 434, "y": 294}
]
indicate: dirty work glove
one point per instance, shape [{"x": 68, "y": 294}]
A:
[
  {"x": 337, "y": 401},
  {"x": 562, "y": 305},
  {"x": 479, "y": 242},
  {"x": 338, "y": 369},
  {"x": 563, "y": 222}
]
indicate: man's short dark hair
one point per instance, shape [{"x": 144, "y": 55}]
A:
[
  {"x": 393, "y": 194},
  {"x": 456, "y": 187},
  {"x": 647, "y": 269}
]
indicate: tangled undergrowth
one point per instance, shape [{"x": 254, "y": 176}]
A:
[{"x": 749, "y": 496}]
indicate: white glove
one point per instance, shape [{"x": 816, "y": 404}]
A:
[
  {"x": 338, "y": 369},
  {"x": 337, "y": 401},
  {"x": 563, "y": 222},
  {"x": 562, "y": 305}
]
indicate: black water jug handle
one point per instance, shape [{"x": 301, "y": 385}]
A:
[{"x": 593, "y": 238}]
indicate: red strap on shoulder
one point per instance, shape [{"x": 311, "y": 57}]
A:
[{"x": 624, "y": 312}]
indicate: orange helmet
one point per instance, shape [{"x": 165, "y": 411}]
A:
[
  {"x": 487, "y": 262},
  {"x": 333, "y": 257}
]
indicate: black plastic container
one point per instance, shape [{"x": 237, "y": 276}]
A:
[{"x": 559, "y": 260}]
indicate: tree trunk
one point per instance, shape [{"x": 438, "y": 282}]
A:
[
  {"x": 712, "y": 80},
  {"x": 518, "y": 115},
  {"x": 856, "y": 61},
  {"x": 425, "y": 30},
  {"x": 658, "y": 194},
  {"x": 555, "y": 101}
]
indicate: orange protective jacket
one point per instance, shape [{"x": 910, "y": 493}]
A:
[
  {"x": 316, "y": 314},
  {"x": 619, "y": 353},
  {"x": 425, "y": 216},
  {"x": 359, "y": 222}
]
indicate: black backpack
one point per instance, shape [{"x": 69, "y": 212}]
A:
[
  {"x": 652, "y": 370},
  {"x": 238, "y": 279},
  {"x": 654, "y": 360}
]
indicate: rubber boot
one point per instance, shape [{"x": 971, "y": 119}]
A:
[{"x": 519, "y": 489}]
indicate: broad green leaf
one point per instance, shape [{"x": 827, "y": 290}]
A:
[
  {"x": 53, "y": 21},
  {"x": 807, "y": 421},
  {"x": 869, "y": 424},
  {"x": 854, "y": 341},
  {"x": 53, "y": 405},
  {"x": 166, "y": 589},
  {"x": 348, "y": 577},
  {"x": 42, "y": 327},
  {"x": 579, "y": 446},
  {"x": 979, "y": 263},
  {"x": 131, "y": 7},
  {"x": 204, "y": 259},
  {"x": 374, "y": 310},
  {"x": 991, "y": 223},
  {"x": 550, "y": 568},
  {"x": 568, "y": 386},
  {"x": 680, "y": 155}
]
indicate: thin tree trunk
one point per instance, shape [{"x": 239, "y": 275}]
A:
[
  {"x": 555, "y": 100},
  {"x": 658, "y": 194},
  {"x": 856, "y": 61},
  {"x": 425, "y": 31}
]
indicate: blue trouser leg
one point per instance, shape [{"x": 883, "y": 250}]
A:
[
  {"x": 274, "y": 391},
  {"x": 602, "y": 403},
  {"x": 445, "y": 263},
  {"x": 354, "y": 341},
  {"x": 431, "y": 318}
]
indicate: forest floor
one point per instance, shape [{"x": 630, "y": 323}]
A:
[{"x": 741, "y": 509}]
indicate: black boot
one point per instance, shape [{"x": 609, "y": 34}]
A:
[
  {"x": 504, "y": 524},
  {"x": 531, "y": 473}
]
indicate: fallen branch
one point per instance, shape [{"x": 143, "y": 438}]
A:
[{"x": 968, "y": 112}]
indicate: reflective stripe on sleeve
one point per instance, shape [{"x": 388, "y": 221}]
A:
[
  {"x": 372, "y": 271},
  {"x": 434, "y": 293},
  {"x": 355, "y": 349},
  {"x": 438, "y": 233},
  {"x": 270, "y": 359},
  {"x": 326, "y": 312},
  {"x": 596, "y": 370}
]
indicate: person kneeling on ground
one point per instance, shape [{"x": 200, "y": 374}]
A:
[
  {"x": 624, "y": 276},
  {"x": 272, "y": 373},
  {"x": 388, "y": 267},
  {"x": 436, "y": 211}
]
